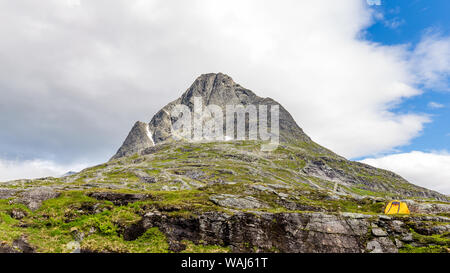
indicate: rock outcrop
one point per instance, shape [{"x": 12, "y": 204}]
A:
[
  {"x": 118, "y": 199},
  {"x": 285, "y": 232},
  {"x": 213, "y": 89},
  {"x": 137, "y": 140},
  {"x": 33, "y": 198}
]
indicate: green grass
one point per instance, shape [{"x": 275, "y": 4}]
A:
[
  {"x": 428, "y": 249},
  {"x": 203, "y": 248},
  {"x": 152, "y": 241},
  {"x": 121, "y": 175}
]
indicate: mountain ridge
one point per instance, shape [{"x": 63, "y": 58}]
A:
[
  {"x": 220, "y": 89},
  {"x": 166, "y": 195}
]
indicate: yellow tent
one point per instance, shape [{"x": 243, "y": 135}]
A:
[{"x": 396, "y": 207}]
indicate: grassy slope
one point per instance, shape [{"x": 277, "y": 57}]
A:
[{"x": 185, "y": 176}]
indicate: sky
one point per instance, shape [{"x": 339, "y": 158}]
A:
[
  {"x": 369, "y": 81},
  {"x": 426, "y": 159}
]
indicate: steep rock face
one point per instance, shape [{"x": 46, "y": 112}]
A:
[
  {"x": 220, "y": 89},
  {"x": 137, "y": 140},
  {"x": 213, "y": 89},
  {"x": 286, "y": 232},
  {"x": 262, "y": 232}
]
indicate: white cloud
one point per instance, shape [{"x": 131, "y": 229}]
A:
[
  {"x": 12, "y": 169},
  {"x": 429, "y": 170},
  {"x": 73, "y": 3},
  {"x": 435, "y": 105},
  {"x": 73, "y": 80},
  {"x": 430, "y": 61},
  {"x": 394, "y": 23},
  {"x": 374, "y": 2}
]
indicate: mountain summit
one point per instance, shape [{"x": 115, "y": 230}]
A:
[{"x": 213, "y": 89}]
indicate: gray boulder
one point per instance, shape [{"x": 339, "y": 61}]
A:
[
  {"x": 378, "y": 232},
  {"x": 233, "y": 201},
  {"x": 427, "y": 208},
  {"x": 6, "y": 193},
  {"x": 119, "y": 199},
  {"x": 33, "y": 198},
  {"x": 381, "y": 245}
]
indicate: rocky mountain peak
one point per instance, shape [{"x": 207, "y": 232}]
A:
[
  {"x": 213, "y": 89},
  {"x": 137, "y": 140},
  {"x": 218, "y": 89}
]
